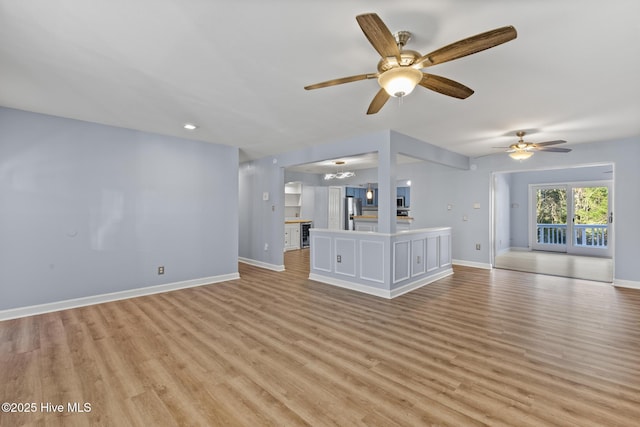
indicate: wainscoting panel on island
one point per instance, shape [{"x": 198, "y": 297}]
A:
[{"x": 385, "y": 265}]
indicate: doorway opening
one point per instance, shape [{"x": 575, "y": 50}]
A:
[{"x": 555, "y": 221}]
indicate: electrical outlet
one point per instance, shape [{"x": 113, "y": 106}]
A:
[
  {"x": 418, "y": 260},
  {"x": 477, "y": 246},
  {"x": 161, "y": 269},
  {"x": 266, "y": 246},
  {"x": 339, "y": 258}
]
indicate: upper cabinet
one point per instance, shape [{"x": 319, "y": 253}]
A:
[{"x": 361, "y": 193}]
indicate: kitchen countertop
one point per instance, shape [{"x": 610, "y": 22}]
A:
[{"x": 296, "y": 221}]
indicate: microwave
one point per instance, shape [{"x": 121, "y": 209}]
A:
[{"x": 400, "y": 202}]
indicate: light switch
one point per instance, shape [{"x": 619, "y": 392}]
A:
[
  {"x": 265, "y": 195},
  {"x": 476, "y": 205}
]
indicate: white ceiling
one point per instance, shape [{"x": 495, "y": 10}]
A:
[{"x": 237, "y": 69}]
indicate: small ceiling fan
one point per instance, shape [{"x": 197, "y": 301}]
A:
[
  {"x": 522, "y": 150},
  {"x": 399, "y": 70}
]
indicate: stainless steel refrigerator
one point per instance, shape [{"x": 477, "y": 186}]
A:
[{"x": 352, "y": 207}]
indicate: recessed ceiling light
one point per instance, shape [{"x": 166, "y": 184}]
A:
[{"x": 190, "y": 126}]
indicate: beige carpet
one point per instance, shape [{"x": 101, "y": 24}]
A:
[{"x": 557, "y": 264}]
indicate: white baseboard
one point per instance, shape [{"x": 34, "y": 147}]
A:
[
  {"x": 483, "y": 265},
  {"x": 261, "y": 264},
  {"x": 420, "y": 283},
  {"x": 383, "y": 293},
  {"x": 14, "y": 313},
  {"x": 626, "y": 284}
]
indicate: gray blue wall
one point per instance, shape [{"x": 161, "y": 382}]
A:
[
  {"x": 440, "y": 186},
  {"x": 262, "y": 222},
  {"x": 87, "y": 209},
  {"x": 435, "y": 186},
  {"x": 519, "y": 195}
]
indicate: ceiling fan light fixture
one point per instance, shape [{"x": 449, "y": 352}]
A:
[
  {"x": 400, "y": 81},
  {"x": 521, "y": 154}
]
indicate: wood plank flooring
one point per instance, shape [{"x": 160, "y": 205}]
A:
[{"x": 498, "y": 348}]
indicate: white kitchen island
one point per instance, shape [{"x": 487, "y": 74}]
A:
[{"x": 385, "y": 265}]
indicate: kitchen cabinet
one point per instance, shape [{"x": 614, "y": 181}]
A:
[
  {"x": 291, "y": 236},
  {"x": 357, "y": 193},
  {"x": 361, "y": 193}
]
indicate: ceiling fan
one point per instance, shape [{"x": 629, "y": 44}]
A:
[
  {"x": 522, "y": 150},
  {"x": 399, "y": 69}
]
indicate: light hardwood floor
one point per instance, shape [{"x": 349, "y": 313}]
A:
[
  {"x": 558, "y": 264},
  {"x": 480, "y": 347}
]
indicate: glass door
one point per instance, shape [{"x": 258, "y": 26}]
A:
[
  {"x": 592, "y": 220},
  {"x": 550, "y": 218},
  {"x": 572, "y": 218}
]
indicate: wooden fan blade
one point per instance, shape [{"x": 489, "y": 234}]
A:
[
  {"x": 467, "y": 46},
  {"x": 445, "y": 86},
  {"x": 378, "y": 101},
  {"x": 341, "y": 81},
  {"x": 378, "y": 35},
  {"x": 542, "y": 144},
  {"x": 554, "y": 149}
]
